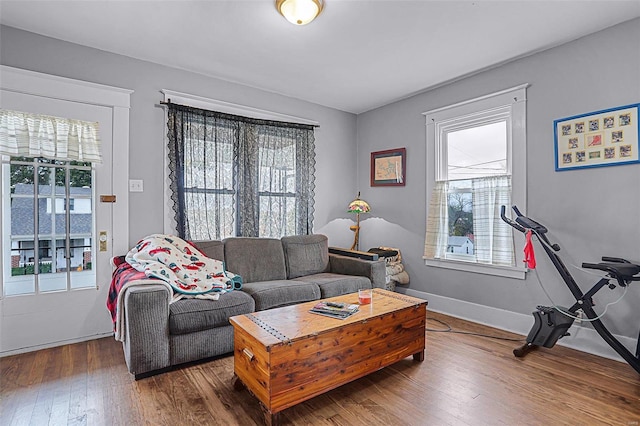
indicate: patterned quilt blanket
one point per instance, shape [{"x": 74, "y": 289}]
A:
[
  {"x": 170, "y": 261},
  {"x": 185, "y": 268}
]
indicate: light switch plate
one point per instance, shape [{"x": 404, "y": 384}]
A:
[{"x": 136, "y": 185}]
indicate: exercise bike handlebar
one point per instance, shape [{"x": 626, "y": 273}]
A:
[
  {"x": 614, "y": 259},
  {"x": 508, "y": 220},
  {"x": 620, "y": 269},
  {"x": 523, "y": 223}
]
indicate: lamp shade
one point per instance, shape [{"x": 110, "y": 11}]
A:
[
  {"x": 359, "y": 206},
  {"x": 299, "y": 12}
]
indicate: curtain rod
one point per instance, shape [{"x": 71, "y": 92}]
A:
[{"x": 168, "y": 102}]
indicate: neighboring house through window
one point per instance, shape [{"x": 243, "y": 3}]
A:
[
  {"x": 477, "y": 163},
  {"x": 52, "y": 253}
]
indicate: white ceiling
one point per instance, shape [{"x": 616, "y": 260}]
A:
[{"x": 357, "y": 55}]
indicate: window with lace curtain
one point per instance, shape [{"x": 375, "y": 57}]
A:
[
  {"x": 239, "y": 176},
  {"x": 477, "y": 164}
]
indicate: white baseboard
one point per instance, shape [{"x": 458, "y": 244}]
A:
[
  {"x": 53, "y": 344},
  {"x": 581, "y": 338}
]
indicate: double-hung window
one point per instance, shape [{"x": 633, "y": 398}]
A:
[
  {"x": 238, "y": 176},
  {"x": 476, "y": 164}
]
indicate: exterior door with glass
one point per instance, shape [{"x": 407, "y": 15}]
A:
[{"x": 57, "y": 236}]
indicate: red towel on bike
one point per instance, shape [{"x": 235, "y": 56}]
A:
[{"x": 529, "y": 255}]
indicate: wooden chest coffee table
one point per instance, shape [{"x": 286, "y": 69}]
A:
[{"x": 287, "y": 355}]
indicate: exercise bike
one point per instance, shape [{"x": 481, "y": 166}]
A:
[{"x": 552, "y": 323}]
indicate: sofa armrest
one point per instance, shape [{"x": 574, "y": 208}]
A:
[
  {"x": 146, "y": 333},
  {"x": 372, "y": 269}
]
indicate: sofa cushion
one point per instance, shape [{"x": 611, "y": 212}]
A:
[
  {"x": 336, "y": 284},
  {"x": 273, "y": 294},
  {"x": 213, "y": 248},
  {"x": 191, "y": 315},
  {"x": 255, "y": 259},
  {"x": 305, "y": 254}
]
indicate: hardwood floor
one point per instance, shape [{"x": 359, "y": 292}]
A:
[{"x": 464, "y": 380}]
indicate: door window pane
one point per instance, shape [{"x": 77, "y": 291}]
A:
[
  {"x": 62, "y": 192},
  {"x": 22, "y": 224},
  {"x": 20, "y": 284}
]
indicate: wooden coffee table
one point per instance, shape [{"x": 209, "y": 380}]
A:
[{"x": 287, "y": 355}]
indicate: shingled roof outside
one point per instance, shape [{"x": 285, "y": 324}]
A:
[{"x": 22, "y": 220}]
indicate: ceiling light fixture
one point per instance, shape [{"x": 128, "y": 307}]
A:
[{"x": 299, "y": 12}]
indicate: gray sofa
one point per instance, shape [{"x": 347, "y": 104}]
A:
[{"x": 294, "y": 269}]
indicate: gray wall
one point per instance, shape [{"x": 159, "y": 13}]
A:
[
  {"x": 335, "y": 138},
  {"x": 590, "y": 212}
]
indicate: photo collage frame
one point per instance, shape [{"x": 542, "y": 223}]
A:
[{"x": 602, "y": 138}]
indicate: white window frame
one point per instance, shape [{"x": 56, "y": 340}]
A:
[{"x": 510, "y": 104}]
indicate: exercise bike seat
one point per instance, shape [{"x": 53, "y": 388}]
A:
[{"x": 624, "y": 271}]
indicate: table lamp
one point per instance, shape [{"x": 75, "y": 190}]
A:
[{"x": 357, "y": 206}]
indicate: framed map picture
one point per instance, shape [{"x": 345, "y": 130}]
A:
[
  {"x": 388, "y": 167},
  {"x": 602, "y": 138}
]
